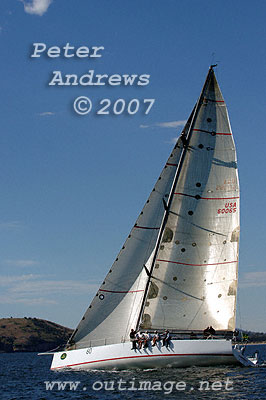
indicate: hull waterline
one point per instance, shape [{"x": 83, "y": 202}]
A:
[{"x": 180, "y": 353}]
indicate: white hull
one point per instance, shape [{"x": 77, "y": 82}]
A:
[{"x": 181, "y": 353}]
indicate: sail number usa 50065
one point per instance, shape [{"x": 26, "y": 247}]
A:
[{"x": 229, "y": 208}]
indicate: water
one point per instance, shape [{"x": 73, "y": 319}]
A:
[{"x": 23, "y": 376}]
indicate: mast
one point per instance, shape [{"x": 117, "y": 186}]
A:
[{"x": 167, "y": 204}]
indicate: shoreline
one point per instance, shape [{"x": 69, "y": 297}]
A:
[{"x": 253, "y": 343}]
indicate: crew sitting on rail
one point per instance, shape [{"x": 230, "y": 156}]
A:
[
  {"x": 141, "y": 339},
  {"x": 209, "y": 332},
  {"x": 166, "y": 339},
  {"x": 156, "y": 338},
  {"x": 147, "y": 338}
]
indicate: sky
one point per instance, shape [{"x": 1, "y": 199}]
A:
[{"x": 73, "y": 185}]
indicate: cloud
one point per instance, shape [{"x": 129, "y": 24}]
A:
[
  {"x": 9, "y": 225},
  {"x": 28, "y": 301},
  {"x": 26, "y": 289},
  {"x": 37, "y": 7},
  {"x": 169, "y": 124},
  {"x": 10, "y": 280},
  {"x": 52, "y": 287},
  {"x": 253, "y": 279},
  {"x": 21, "y": 263},
  {"x": 46, "y": 113}
]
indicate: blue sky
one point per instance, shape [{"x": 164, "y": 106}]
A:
[{"x": 72, "y": 186}]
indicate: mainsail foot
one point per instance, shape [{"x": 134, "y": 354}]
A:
[{"x": 177, "y": 270}]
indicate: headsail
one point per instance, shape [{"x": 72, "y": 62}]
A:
[
  {"x": 194, "y": 279},
  {"x": 117, "y": 304}
]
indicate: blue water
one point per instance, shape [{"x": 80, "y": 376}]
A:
[{"x": 23, "y": 376}]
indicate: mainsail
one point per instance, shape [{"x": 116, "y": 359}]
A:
[
  {"x": 178, "y": 266},
  {"x": 194, "y": 280}
]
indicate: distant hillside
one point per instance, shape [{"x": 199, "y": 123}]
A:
[
  {"x": 255, "y": 336},
  {"x": 31, "y": 334}
]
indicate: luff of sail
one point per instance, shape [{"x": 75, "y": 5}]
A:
[
  {"x": 117, "y": 305},
  {"x": 194, "y": 279}
]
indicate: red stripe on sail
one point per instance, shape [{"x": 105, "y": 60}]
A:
[
  {"x": 197, "y": 265},
  {"x": 220, "y": 198},
  {"x": 117, "y": 291}
]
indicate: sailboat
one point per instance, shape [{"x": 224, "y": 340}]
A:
[{"x": 177, "y": 270}]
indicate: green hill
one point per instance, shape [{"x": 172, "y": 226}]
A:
[{"x": 31, "y": 334}]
